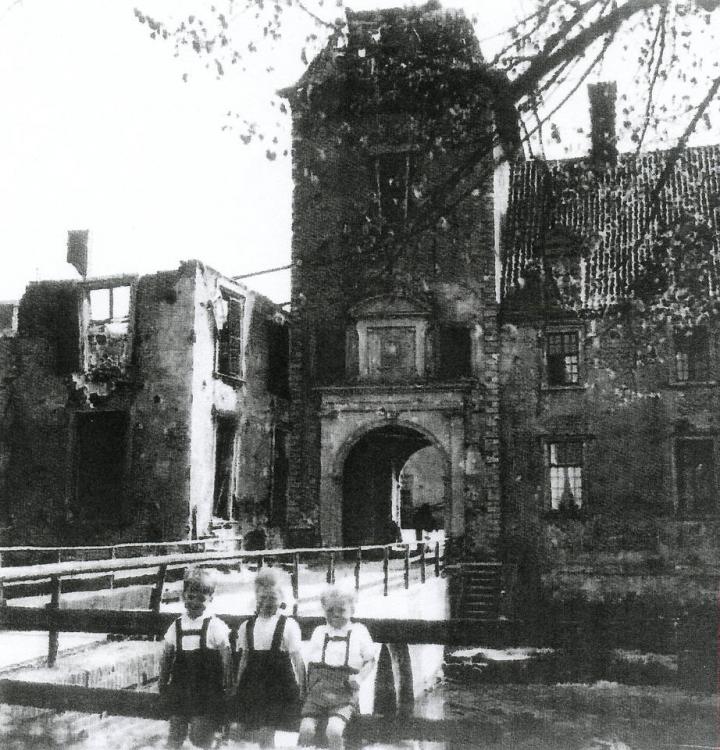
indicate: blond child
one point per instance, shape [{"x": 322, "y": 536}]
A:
[
  {"x": 271, "y": 673},
  {"x": 341, "y": 655},
  {"x": 195, "y": 665}
]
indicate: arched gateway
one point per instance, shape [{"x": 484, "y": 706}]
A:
[
  {"x": 378, "y": 497},
  {"x": 364, "y": 450}
]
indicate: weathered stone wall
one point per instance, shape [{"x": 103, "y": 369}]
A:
[{"x": 629, "y": 419}]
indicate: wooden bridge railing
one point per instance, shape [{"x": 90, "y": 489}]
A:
[
  {"x": 99, "y": 574},
  {"x": 109, "y": 551},
  {"x": 394, "y": 702},
  {"x": 74, "y": 575}
]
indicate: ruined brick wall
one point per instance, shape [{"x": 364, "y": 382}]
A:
[{"x": 629, "y": 420}]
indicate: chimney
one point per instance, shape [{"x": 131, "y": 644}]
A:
[
  {"x": 603, "y": 150},
  {"x": 77, "y": 250}
]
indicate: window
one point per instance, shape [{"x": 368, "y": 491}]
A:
[
  {"x": 563, "y": 358},
  {"x": 110, "y": 304},
  {"x": 224, "y": 457},
  {"x": 230, "y": 338},
  {"x": 278, "y": 359},
  {"x": 455, "y": 353},
  {"x": 692, "y": 356},
  {"x": 696, "y": 484},
  {"x": 566, "y": 469},
  {"x": 393, "y": 176},
  {"x": 106, "y": 325}
]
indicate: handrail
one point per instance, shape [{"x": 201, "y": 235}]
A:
[
  {"x": 456, "y": 632},
  {"x": 74, "y": 568}
]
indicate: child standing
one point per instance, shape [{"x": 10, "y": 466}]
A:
[
  {"x": 341, "y": 655},
  {"x": 271, "y": 673},
  {"x": 194, "y": 667}
]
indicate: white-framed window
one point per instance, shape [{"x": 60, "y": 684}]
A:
[
  {"x": 562, "y": 357},
  {"x": 229, "y": 350},
  {"x": 565, "y": 465}
]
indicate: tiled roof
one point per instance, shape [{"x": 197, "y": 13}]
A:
[{"x": 604, "y": 212}]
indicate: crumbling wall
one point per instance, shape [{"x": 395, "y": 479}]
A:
[{"x": 245, "y": 399}]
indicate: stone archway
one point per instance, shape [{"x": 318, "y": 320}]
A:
[
  {"x": 367, "y": 469},
  {"x": 370, "y": 483}
]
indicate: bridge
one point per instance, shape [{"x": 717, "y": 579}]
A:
[
  {"x": 132, "y": 597},
  {"x": 385, "y": 575}
]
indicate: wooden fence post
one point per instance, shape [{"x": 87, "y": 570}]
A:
[
  {"x": 53, "y": 606},
  {"x": 156, "y": 595},
  {"x": 295, "y": 580},
  {"x": 358, "y": 561},
  {"x": 331, "y": 569},
  {"x": 422, "y": 563},
  {"x": 406, "y": 562},
  {"x": 386, "y": 559},
  {"x": 437, "y": 559}
]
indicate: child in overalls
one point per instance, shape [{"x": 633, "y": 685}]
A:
[
  {"x": 341, "y": 655},
  {"x": 271, "y": 673},
  {"x": 194, "y": 667}
]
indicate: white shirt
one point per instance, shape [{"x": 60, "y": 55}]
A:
[
  {"x": 217, "y": 632},
  {"x": 265, "y": 629},
  {"x": 362, "y": 648}
]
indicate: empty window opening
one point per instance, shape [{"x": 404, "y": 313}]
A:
[
  {"x": 224, "y": 462},
  {"x": 692, "y": 356},
  {"x": 455, "y": 352},
  {"x": 394, "y": 173},
  {"x": 280, "y": 471},
  {"x": 696, "y": 484},
  {"x": 563, "y": 358},
  {"x": 230, "y": 339},
  {"x": 100, "y": 457},
  {"x": 110, "y": 304},
  {"x": 566, "y": 470}
]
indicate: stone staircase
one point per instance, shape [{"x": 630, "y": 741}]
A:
[{"x": 477, "y": 590}]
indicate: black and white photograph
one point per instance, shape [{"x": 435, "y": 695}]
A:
[{"x": 360, "y": 374}]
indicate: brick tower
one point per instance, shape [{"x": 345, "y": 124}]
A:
[{"x": 394, "y": 339}]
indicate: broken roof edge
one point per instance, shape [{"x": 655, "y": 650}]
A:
[{"x": 363, "y": 22}]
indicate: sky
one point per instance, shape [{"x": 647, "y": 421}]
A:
[{"x": 99, "y": 131}]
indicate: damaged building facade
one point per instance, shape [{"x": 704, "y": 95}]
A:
[
  {"x": 143, "y": 408},
  {"x": 430, "y": 266}
]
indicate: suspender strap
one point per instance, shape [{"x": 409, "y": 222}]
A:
[
  {"x": 250, "y": 634},
  {"x": 347, "y": 648},
  {"x": 203, "y": 634},
  {"x": 178, "y": 636},
  {"x": 345, "y": 638},
  {"x": 278, "y": 634}
]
